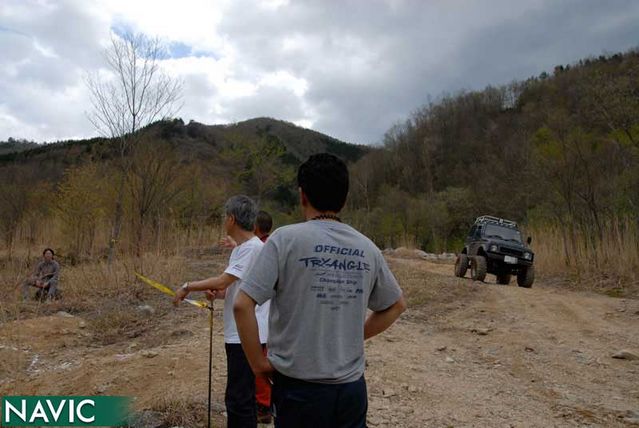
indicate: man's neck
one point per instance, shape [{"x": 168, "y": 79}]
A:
[
  {"x": 310, "y": 213},
  {"x": 241, "y": 236}
]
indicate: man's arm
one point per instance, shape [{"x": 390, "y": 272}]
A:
[
  {"x": 379, "y": 321},
  {"x": 244, "y": 311},
  {"x": 221, "y": 282}
]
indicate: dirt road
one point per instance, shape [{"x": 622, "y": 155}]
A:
[
  {"x": 464, "y": 354},
  {"x": 506, "y": 356}
]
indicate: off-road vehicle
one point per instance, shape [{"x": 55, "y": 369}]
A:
[{"x": 494, "y": 246}]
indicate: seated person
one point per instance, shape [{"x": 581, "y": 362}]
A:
[{"x": 45, "y": 277}]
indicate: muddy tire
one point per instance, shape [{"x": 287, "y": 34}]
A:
[
  {"x": 526, "y": 277},
  {"x": 503, "y": 279},
  {"x": 461, "y": 265},
  {"x": 478, "y": 268}
]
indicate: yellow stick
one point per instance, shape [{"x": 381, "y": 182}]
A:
[{"x": 166, "y": 290}]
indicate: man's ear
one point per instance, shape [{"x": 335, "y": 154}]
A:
[{"x": 303, "y": 198}]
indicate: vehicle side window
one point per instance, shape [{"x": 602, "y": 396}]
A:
[
  {"x": 471, "y": 234},
  {"x": 478, "y": 232}
]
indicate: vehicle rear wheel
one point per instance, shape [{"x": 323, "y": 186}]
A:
[
  {"x": 503, "y": 279},
  {"x": 461, "y": 265},
  {"x": 478, "y": 268},
  {"x": 526, "y": 277}
]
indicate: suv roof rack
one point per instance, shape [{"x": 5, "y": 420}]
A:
[{"x": 491, "y": 219}]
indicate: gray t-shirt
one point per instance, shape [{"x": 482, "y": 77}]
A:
[
  {"x": 49, "y": 272},
  {"x": 321, "y": 277}
]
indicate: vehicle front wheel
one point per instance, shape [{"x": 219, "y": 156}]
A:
[
  {"x": 478, "y": 268},
  {"x": 461, "y": 265},
  {"x": 526, "y": 277}
]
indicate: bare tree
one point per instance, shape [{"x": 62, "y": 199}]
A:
[
  {"x": 153, "y": 183},
  {"x": 135, "y": 93}
]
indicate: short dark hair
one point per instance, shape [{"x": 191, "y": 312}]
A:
[
  {"x": 324, "y": 180},
  {"x": 263, "y": 222},
  {"x": 243, "y": 209},
  {"x": 48, "y": 249}
]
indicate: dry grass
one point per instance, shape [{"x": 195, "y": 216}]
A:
[
  {"x": 106, "y": 296},
  {"x": 407, "y": 241},
  {"x": 106, "y": 299},
  {"x": 185, "y": 412},
  {"x": 608, "y": 264},
  {"x": 167, "y": 239}
]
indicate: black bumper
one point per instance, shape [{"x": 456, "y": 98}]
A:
[{"x": 498, "y": 258}]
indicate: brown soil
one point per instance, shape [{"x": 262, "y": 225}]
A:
[{"x": 464, "y": 354}]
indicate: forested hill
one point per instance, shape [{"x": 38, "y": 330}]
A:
[
  {"x": 13, "y": 146},
  {"x": 194, "y": 140},
  {"x": 257, "y": 157},
  {"x": 175, "y": 175},
  {"x": 559, "y": 150}
]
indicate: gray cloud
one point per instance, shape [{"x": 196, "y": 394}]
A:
[
  {"x": 198, "y": 96},
  {"x": 46, "y": 48},
  {"x": 366, "y": 64},
  {"x": 368, "y": 67},
  {"x": 557, "y": 33},
  {"x": 271, "y": 101}
]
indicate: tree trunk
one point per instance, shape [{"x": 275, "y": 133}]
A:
[{"x": 117, "y": 221}]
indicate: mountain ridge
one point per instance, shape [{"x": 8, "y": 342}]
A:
[{"x": 299, "y": 142}]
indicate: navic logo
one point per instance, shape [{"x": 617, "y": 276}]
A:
[{"x": 52, "y": 411}]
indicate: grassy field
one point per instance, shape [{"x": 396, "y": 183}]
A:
[
  {"x": 583, "y": 260},
  {"x": 91, "y": 286}
]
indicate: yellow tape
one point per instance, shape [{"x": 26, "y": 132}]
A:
[{"x": 166, "y": 290}]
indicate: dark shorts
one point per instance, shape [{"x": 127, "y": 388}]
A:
[{"x": 298, "y": 403}]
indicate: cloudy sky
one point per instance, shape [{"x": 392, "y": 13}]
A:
[{"x": 350, "y": 69}]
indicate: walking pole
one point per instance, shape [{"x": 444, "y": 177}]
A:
[{"x": 210, "y": 358}]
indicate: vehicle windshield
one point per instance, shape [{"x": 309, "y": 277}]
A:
[{"x": 505, "y": 233}]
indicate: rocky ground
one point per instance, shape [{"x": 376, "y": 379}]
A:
[{"x": 464, "y": 354}]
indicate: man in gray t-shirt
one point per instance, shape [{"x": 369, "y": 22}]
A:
[{"x": 322, "y": 276}]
